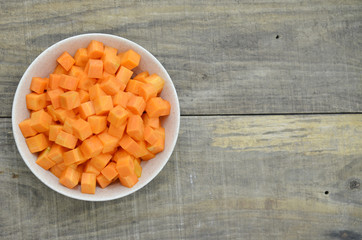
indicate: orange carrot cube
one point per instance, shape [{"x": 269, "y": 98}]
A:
[
  {"x": 100, "y": 161},
  {"x": 26, "y": 129},
  {"x": 132, "y": 147},
  {"x": 37, "y": 143},
  {"x": 54, "y": 131},
  {"x": 95, "y": 68},
  {"x": 40, "y": 121},
  {"x": 121, "y": 99},
  {"x": 38, "y": 84},
  {"x": 117, "y": 116},
  {"x": 141, "y": 76},
  {"x": 59, "y": 70},
  {"x": 95, "y": 49},
  {"x": 66, "y": 61},
  {"x": 82, "y": 129},
  {"x": 136, "y": 105},
  {"x": 109, "y": 142},
  {"x": 103, "y": 181},
  {"x": 152, "y": 122},
  {"x": 86, "y": 109},
  {"x": 88, "y": 183},
  {"x": 147, "y": 91},
  {"x": 123, "y": 75},
  {"x": 117, "y": 131},
  {"x": 69, "y": 100},
  {"x": 97, "y": 123},
  {"x": 81, "y": 57},
  {"x": 89, "y": 168},
  {"x": 58, "y": 169},
  {"x": 110, "y": 85},
  {"x": 69, "y": 82},
  {"x": 96, "y": 91},
  {"x": 133, "y": 86},
  {"x": 56, "y": 153},
  {"x": 83, "y": 96},
  {"x": 43, "y": 160},
  {"x": 103, "y": 105},
  {"x": 110, "y": 171},
  {"x": 74, "y": 156},
  {"x": 125, "y": 164},
  {"x": 137, "y": 168},
  {"x": 130, "y": 59},
  {"x": 111, "y": 63},
  {"x": 91, "y": 147},
  {"x": 157, "y": 107},
  {"x": 36, "y": 101},
  {"x": 66, "y": 140},
  {"x": 54, "y": 80},
  {"x": 129, "y": 181},
  {"x": 135, "y": 127},
  {"x": 156, "y": 81},
  {"x": 70, "y": 177},
  {"x": 54, "y": 97}
]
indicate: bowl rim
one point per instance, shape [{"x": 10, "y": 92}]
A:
[{"x": 89, "y": 197}]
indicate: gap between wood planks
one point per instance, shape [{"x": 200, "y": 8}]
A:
[{"x": 269, "y": 114}]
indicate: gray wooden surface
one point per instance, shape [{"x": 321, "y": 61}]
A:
[{"x": 271, "y": 103}]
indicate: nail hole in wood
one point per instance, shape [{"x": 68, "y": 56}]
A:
[
  {"x": 326, "y": 192},
  {"x": 277, "y": 37}
]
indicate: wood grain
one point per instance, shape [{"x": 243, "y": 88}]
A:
[
  {"x": 246, "y": 177},
  {"x": 223, "y": 56}
]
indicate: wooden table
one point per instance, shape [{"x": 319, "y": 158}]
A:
[{"x": 270, "y": 140}]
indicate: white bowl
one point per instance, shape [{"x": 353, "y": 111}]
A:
[{"x": 45, "y": 63}]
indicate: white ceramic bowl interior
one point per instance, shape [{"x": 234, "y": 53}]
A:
[{"x": 45, "y": 63}]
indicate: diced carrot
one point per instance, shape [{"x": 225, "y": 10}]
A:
[
  {"x": 133, "y": 86},
  {"x": 69, "y": 82},
  {"x": 117, "y": 131},
  {"x": 109, "y": 142},
  {"x": 40, "y": 121},
  {"x": 156, "y": 81},
  {"x": 26, "y": 129},
  {"x": 37, "y": 143},
  {"x": 97, "y": 123},
  {"x": 132, "y": 147},
  {"x": 141, "y": 76},
  {"x": 88, "y": 183},
  {"x": 103, "y": 181},
  {"x": 137, "y": 168},
  {"x": 54, "y": 97},
  {"x": 100, "y": 161},
  {"x": 54, "y": 80},
  {"x": 111, "y": 63},
  {"x": 161, "y": 132},
  {"x": 135, "y": 127},
  {"x": 95, "y": 49},
  {"x": 117, "y": 116},
  {"x": 151, "y": 135},
  {"x": 56, "y": 153},
  {"x": 147, "y": 91},
  {"x": 156, "y": 147},
  {"x": 66, "y": 140},
  {"x": 54, "y": 131},
  {"x": 136, "y": 105},
  {"x": 91, "y": 147},
  {"x": 73, "y": 157},
  {"x": 110, "y": 85},
  {"x": 109, "y": 50},
  {"x": 153, "y": 122},
  {"x": 68, "y": 125},
  {"x": 70, "y": 177},
  {"x": 110, "y": 171},
  {"x": 36, "y": 101},
  {"x": 51, "y": 111},
  {"x": 120, "y": 154},
  {"x": 62, "y": 114},
  {"x": 69, "y": 100},
  {"x": 38, "y": 84},
  {"x": 157, "y": 107},
  {"x": 95, "y": 68},
  {"x": 66, "y": 61},
  {"x": 103, "y": 105},
  {"x": 96, "y": 91},
  {"x": 149, "y": 155},
  {"x": 44, "y": 161},
  {"x": 123, "y": 75},
  {"x": 82, "y": 129},
  {"x": 83, "y": 96},
  {"x": 121, "y": 99},
  {"x": 129, "y": 181},
  {"x": 58, "y": 169},
  {"x": 125, "y": 164},
  {"x": 130, "y": 59},
  {"x": 60, "y": 70},
  {"x": 89, "y": 168},
  {"x": 86, "y": 82},
  {"x": 76, "y": 71},
  {"x": 81, "y": 57},
  {"x": 86, "y": 109}
]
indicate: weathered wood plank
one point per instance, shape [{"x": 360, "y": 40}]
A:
[
  {"x": 224, "y": 56},
  {"x": 257, "y": 177}
]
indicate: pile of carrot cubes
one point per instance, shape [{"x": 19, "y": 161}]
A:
[{"x": 91, "y": 122}]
